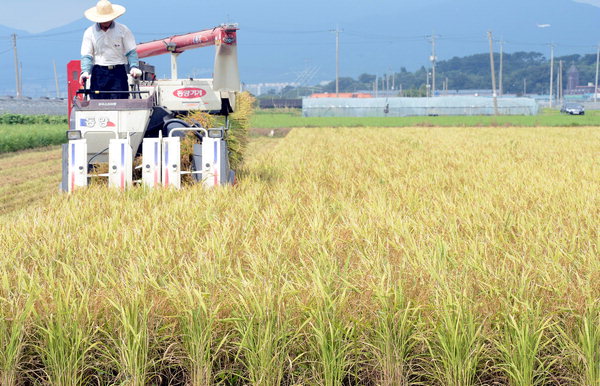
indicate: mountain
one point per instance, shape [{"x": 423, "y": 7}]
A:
[
  {"x": 7, "y": 31},
  {"x": 281, "y": 41}
]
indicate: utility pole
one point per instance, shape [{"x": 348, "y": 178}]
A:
[
  {"x": 597, "y": 65},
  {"x": 524, "y": 86},
  {"x": 493, "y": 73},
  {"x": 17, "y": 72},
  {"x": 558, "y": 81},
  {"x": 56, "y": 79},
  {"x": 551, "y": 72},
  {"x": 559, "y": 85},
  {"x": 376, "y": 86},
  {"x": 500, "y": 85},
  {"x": 337, "y": 60},
  {"x": 433, "y": 60}
]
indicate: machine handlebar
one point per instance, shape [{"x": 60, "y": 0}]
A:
[{"x": 90, "y": 92}]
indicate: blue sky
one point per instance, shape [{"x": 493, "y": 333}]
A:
[
  {"x": 592, "y": 2},
  {"x": 41, "y": 15},
  {"x": 282, "y": 41}
]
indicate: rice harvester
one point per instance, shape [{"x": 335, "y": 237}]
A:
[{"x": 149, "y": 124}]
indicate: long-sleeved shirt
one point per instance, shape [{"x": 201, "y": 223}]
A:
[{"x": 106, "y": 48}]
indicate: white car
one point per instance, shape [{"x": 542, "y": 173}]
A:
[{"x": 572, "y": 109}]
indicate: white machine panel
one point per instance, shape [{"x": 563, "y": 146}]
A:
[
  {"x": 214, "y": 167},
  {"x": 130, "y": 123},
  {"x": 185, "y": 95},
  {"x": 77, "y": 164},
  {"x": 171, "y": 162},
  {"x": 120, "y": 160},
  {"x": 152, "y": 160}
]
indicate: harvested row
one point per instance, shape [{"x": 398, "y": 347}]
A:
[
  {"x": 450, "y": 256},
  {"x": 28, "y": 178}
]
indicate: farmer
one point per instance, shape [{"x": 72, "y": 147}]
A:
[{"x": 107, "y": 50}]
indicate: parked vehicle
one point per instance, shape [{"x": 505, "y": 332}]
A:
[{"x": 572, "y": 109}]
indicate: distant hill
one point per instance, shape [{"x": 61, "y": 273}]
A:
[
  {"x": 5, "y": 32},
  {"x": 279, "y": 42}
]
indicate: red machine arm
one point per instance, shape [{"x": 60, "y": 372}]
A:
[{"x": 225, "y": 34}]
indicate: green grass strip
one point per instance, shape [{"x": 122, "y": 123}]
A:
[
  {"x": 27, "y": 136},
  {"x": 293, "y": 118}
]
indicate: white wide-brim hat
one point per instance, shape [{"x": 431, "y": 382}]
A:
[{"x": 104, "y": 11}]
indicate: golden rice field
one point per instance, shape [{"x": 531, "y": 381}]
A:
[{"x": 350, "y": 256}]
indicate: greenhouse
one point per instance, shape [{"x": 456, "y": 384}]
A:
[{"x": 403, "y": 107}]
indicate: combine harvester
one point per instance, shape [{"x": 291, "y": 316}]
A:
[{"x": 114, "y": 131}]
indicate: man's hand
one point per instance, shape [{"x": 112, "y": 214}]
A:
[
  {"x": 135, "y": 72},
  {"x": 84, "y": 77}
]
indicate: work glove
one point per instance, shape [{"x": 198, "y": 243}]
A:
[
  {"x": 135, "y": 72},
  {"x": 83, "y": 77}
]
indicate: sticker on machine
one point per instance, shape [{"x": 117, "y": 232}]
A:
[
  {"x": 192, "y": 105},
  {"x": 105, "y": 120},
  {"x": 189, "y": 92}
]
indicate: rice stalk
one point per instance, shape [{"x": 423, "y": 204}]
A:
[
  {"x": 522, "y": 340},
  {"x": 583, "y": 342},
  {"x": 588, "y": 342},
  {"x": 396, "y": 335},
  {"x": 198, "y": 330},
  {"x": 331, "y": 333},
  {"x": 456, "y": 346},
  {"x": 265, "y": 333},
  {"x": 237, "y": 135},
  {"x": 128, "y": 347},
  {"x": 15, "y": 311},
  {"x": 66, "y": 336}
]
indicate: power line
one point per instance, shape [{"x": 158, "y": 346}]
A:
[
  {"x": 60, "y": 40},
  {"x": 388, "y": 37},
  {"x": 291, "y": 32},
  {"x": 366, "y": 37},
  {"x": 311, "y": 44},
  {"x": 42, "y": 36}
]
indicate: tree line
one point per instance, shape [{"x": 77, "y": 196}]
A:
[{"x": 523, "y": 72}]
